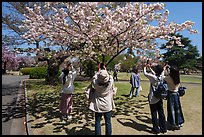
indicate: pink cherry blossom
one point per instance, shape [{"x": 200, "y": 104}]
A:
[{"x": 112, "y": 29}]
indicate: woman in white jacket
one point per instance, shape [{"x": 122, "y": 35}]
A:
[{"x": 67, "y": 76}]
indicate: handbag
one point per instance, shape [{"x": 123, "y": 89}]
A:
[
  {"x": 140, "y": 88},
  {"x": 181, "y": 91},
  {"x": 89, "y": 92}
]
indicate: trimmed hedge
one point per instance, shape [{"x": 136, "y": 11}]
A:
[
  {"x": 38, "y": 73},
  {"x": 26, "y": 71}
]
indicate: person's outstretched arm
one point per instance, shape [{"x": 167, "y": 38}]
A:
[
  {"x": 152, "y": 71},
  {"x": 150, "y": 76}
]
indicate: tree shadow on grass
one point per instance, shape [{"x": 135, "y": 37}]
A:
[
  {"x": 133, "y": 124},
  {"x": 127, "y": 106},
  {"x": 144, "y": 118},
  {"x": 13, "y": 110},
  {"x": 45, "y": 106},
  {"x": 83, "y": 130}
]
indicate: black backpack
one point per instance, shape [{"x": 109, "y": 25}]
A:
[{"x": 160, "y": 91}]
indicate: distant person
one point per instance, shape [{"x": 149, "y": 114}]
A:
[
  {"x": 115, "y": 74},
  {"x": 102, "y": 102},
  {"x": 175, "y": 116},
  {"x": 135, "y": 82},
  {"x": 67, "y": 76},
  {"x": 156, "y": 104}
]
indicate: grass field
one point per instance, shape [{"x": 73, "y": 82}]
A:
[
  {"x": 184, "y": 78},
  {"x": 131, "y": 116}
]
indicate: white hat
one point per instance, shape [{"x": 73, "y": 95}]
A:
[{"x": 103, "y": 76}]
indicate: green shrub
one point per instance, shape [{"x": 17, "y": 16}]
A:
[
  {"x": 26, "y": 71},
  {"x": 38, "y": 73}
]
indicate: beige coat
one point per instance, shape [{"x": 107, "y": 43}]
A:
[{"x": 103, "y": 96}]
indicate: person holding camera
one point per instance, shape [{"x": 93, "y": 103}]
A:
[
  {"x": 156, "y": 104},
  {"x": 67, "y": 76},
  {"x": 102, "y": 103}
]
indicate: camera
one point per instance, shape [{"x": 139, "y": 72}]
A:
[{"x": 148, "y": 61}]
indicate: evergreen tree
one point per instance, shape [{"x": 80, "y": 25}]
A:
[{"x": 184, "y": 54}]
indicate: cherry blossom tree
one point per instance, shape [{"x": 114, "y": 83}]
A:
[
  {"x": 9, "y": 59},
  {"x": 96, "y": 30},
  {"x": 105, "y": 28},
  {"x": 27, "y": 61}
]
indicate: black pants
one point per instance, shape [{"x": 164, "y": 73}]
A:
[{"x": 158, "y": 126}]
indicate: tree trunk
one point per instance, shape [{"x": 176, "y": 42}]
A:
[
  {"x": 53, "y": 69},
  {"x": 90, "y": 69},
  {"x": 4, "y": 69}
]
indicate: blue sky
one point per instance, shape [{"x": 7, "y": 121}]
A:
[
  {"x": 179, "y": 12},
  {"x": 182, "y": 11}
]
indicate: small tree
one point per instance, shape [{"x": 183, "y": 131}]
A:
[{"x": 9, "y": 60}]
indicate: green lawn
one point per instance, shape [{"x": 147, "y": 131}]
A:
[
  {"x": 43, "y": 102},
  {"x": 184, "y": 78}
]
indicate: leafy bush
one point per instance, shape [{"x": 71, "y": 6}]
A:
[
  {"x": 38, "y": 73},
  {"x": 26, "y": 71}
]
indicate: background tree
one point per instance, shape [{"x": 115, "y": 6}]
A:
[
  {"x": 126, "y": 60},
  {"x": 27, "y": 61},
  {"x": 9, "y": 59},
  {"x": 12, "y": 19},
  {"x": 199, "y": 63},
  {"x": 184, "y": 56}
]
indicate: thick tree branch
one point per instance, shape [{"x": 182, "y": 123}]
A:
[{"x": 115, "y": 56}]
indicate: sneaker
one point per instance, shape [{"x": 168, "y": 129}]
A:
[
  {"x": 165, "y": 132},
  {"x": 64, "y": 116},
  {"x": 156, "y": 133},
  {"x": 69, "y": 117},
  {"x": 181, "y": 125},
  {"x": 176, "y": 127}
]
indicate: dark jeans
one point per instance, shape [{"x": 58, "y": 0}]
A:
[
  {"x": 115, "y": 77},
  {"x": 136, "y": 92},
  {"x": 174, "y": 111},
  {"x": 158, "y": 108},
  {"x": 107, "y": 116}
]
